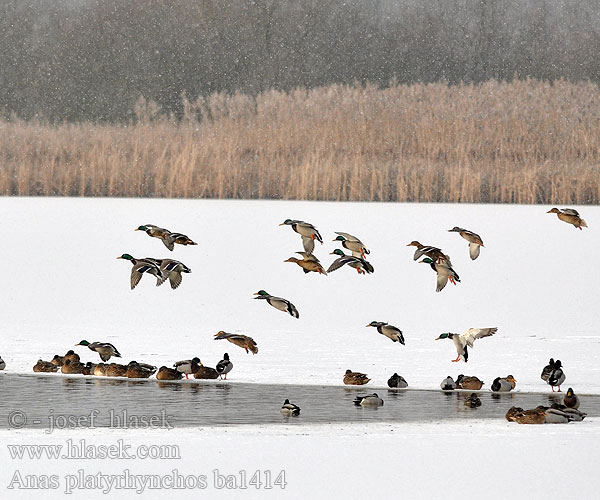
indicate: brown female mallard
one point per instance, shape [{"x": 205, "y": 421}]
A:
[
  {"x": 570, "y": 216},
  {"x": 355, "y": 378}
]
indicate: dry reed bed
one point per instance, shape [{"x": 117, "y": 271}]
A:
[{"x": 519, "y": 142}]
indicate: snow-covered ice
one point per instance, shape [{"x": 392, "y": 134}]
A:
[{"x": 536, "y": 280}]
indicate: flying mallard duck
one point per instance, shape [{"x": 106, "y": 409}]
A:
[
  {"x": 571, "y": 400},
  {"x": 557, "y": 377},
  {"x": 2, "y": 364},
  {"x": 71, "y": 367},
  {"x": 466, "y": 339},
  {"x": 308, "y": 232},
  {"x": 397, "y": 382},
  {"x": 473, "y": 401},
  {"x": 205, "y": 372},
  {"x": 104, "y": 349},
  {"x": 308, "y": 263},
  {"x": 139, "y": 370},
  {"x": 353, "y": 244},
  {"x": 475, "y": 241},
  {"x": 239, "y": 340},
  {"x": 141, "y": 266},
  {"x": 278, "y": 303},
  {"x": 444, "y": 273},
  {"x": 166, "y": 236},
  {"x": 224, "y": 366},
  {"x": 171, "y": 269},
  {"x": 505, "y": 384},
  {"x": 165, "y": 373},
  {"x": 547, "y": 370},
  {"x": 469, "y": 383},
  {"x": 433, "y": 253},
  {"x": 358, "y": 263},
  {"x": 289, "y": 409},
  {"x": 368, "y": 400},
  {"x": 355, "y": 378},
  {"x": 45, "y": 367},
  {"x": 187, "y": 366},
  {"x": 570, "y": 216},
  {"x": 390, "y": 331},
  {"x": 448, "y": 384}
]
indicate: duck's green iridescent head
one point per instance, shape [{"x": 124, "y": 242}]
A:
[
  {"x": 261, "y": 292},
  {"x": 570, "y": 392},
  {"x": 84, "y": 343},
  {"x": 142, "y": 228},
  {"x": 125, "y": 256},
  {"x": 426, "y": 260},
  {"x": 444, "y": 336},
  {"x": 286, "y": 222},
  {"x": 337, "y": 251},
  {"x": 340, "y": 238}
]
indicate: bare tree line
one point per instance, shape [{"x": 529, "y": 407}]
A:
[{"x": 92, "y": 59}]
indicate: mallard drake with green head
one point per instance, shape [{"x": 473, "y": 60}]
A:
[
  {"x": 71, "y": 367},
  {"x": 505, "y": 384},
  {"x": 368, "y": 400},
  {"x": 433, "y": 253},
  {"x": 141, "y": 267},
  {"x": 475, "y": 241},
  {"x": 139, "y": 370},
  {"x": 448, "y": 384},
  {"x": 307, "y": 231},
  {"x": 165, "y": 373},
  {"x": 472, "y": 401},
  {"x": 116, "y": 370},
  {"x": 278, "y": 303},
  {"x": 187, "y": 366},
  {"x": 397, "y": 382},
  {"x": 571, "y": 400},
  {"x": 289, "y": 409},
  {"x": 243, "y": 341},
  {"x": 444, "y": 273},
  {"x": 172, "y": 270},
  {"x": 45, "y": 367},
  {"x": 308, "y": 263},
  {"x": 205, "y": 372},
  {"x": 570, "y": 216},
  {"x": 224, "y": 366},
  {"x": 547, "y": 370},
  {"x": 465, "y": 339},
  {"x": 355, "y": 378},
  {"x": 361, "y": 265},
  {"x": 469, "y": 383},
  {"x": 557, "y": 377},
  {"x": 391, "y": 332},
  {"x": 353, "y": 244},
  {"x": 104, "y": 349}
]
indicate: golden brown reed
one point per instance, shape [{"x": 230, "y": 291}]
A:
[{"x": 520, "y": 142}]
